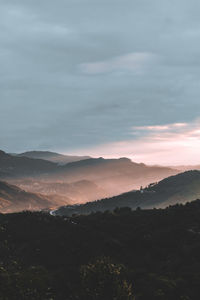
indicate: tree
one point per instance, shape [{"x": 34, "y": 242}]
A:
[{"x": 104, "y": 279}]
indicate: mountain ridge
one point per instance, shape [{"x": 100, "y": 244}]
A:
[
  {"x": 115, "y": 175},
  {"x": 179, "y": 188},
  {"x": 52, "y": 156}
]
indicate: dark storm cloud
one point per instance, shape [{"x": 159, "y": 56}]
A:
[{"x": 76, "y": 73}]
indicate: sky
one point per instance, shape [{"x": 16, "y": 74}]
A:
[{"x": 103, "y": 78}]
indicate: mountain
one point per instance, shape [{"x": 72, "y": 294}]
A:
[
  {"x": 74, "y": 192},
  {"x": 13, "y": 166},
  {"x": 13, "y": 199},
  {"x": 115, "y": 175},
  {"x": 116, "y": 172},
  {"x": 180, "y": 188},
  {"x": 111, "y": 176},
  {"x": 52, "y": 156}
]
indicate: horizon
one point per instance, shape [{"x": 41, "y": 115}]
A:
[{"x": 105, "y": 157}]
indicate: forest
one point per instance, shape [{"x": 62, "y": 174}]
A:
[{"x": 120, "y": 255}]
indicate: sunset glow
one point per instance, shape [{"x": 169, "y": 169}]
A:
[{"x": 170, "y": 144}]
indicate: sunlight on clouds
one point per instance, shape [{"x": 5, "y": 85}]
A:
[
  {"x": 160, "y": 127},
  {"x": 177, "y": 143}
]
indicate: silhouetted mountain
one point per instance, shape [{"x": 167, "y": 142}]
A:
[
  {"x": 13, "y": 166},
  {"x": 119, "y": 170},
  {"x": 52, "y": 156},
  {"x": 180, "y": 188}
]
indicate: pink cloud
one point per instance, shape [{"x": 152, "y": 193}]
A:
[
  {"x": 176, "y": 143},
  {"x": 160, "y": 127}
]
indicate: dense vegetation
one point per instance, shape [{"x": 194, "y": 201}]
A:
[{"x": 121, "y": 255}]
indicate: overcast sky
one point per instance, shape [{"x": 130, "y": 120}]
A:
[{"x": 101, "y": 77}]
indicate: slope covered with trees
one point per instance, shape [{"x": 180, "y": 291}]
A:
[{"x": 123, "y": 255}]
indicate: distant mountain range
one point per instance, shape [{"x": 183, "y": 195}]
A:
[
  {"x": 52, "y": 156},
  {"x": 180, "y": 188},
  {"x": 114, "y": 176},
  {"x": 39, "y": 180},
  {"x": 14, "y": 166},
  {"x": 75, "y": 182}
]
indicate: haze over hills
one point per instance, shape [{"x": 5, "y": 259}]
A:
[
  {"x": 52, "y": 156},
  {"x": 115, "y": 175},
  {"x": 180, "y": 188},
  {"x": 184, "y": 168},
  {"x": 46, "y": 196},
  {"x": 108, "y": 177},
  {"x": 74, "y": 192},
  {"x": 13, "y": 199},
  {"x": 47, "y": 184}
]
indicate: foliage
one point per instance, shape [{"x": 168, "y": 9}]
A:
[
  {"x": 103, "y": 280},
  {"x": 151, "y": 254}
]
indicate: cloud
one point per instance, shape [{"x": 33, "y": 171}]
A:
[
  {"x": 176, "y": 143},
  {"x": 128, "y": 62},
  {"x": 145, "y": 55},
  {"x": 160, "y": 127}
]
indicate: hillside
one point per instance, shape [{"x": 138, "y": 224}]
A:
[
  {"x": 113, "y": 176},
  {"x": 13, "y": 166},
  {"x": 52, "y": 156},
  {"x": 13, "y": 199},
  {"x": 78, "y": 191},
  {"x": 175, "y": 189},
  {"x": 126, "y": 254}
]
